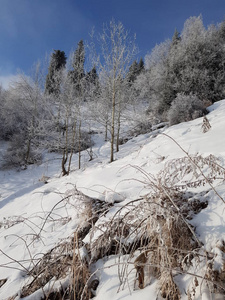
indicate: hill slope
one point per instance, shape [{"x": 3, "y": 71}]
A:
[{"x": 178, "y": 176}]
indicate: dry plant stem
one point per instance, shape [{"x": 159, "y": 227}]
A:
[
  {"x": 129, "y": 203},
  {"x": 75, "y": 247},
  {"x": 14, "y": 260},
  {"x": 176, "y": 272},
  {"x": 194, "y": 164},
  {"x": 27, "y": 247},
  {"x": 12, "y": 268},
  {"x": 149, "y": 177},
  {"x": 156, "y": 266},
  {"x": 180, "y": 214},
  {"x": 94, "y": 273},
  {"x": 51, "y": 213},
  {"x": 121, "y": 287}
]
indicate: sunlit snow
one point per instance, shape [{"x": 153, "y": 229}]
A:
[{"x": 26, "y": 202}]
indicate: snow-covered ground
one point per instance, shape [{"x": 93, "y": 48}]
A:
[{"x": 34, "y": 216}]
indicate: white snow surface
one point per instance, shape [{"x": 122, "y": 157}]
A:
[{"x": 26, "y": 202}]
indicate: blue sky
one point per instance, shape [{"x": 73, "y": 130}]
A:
[{"x": 31, "y": 28}]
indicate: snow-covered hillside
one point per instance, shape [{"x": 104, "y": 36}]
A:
[{"x": 36, "y": 217}]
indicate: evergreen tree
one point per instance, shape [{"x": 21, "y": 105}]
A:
[
  {"x": 91, "y": 84},
  {"x": 173, "y": 66},
  {"x": 141, "y": 66},
  {"x": 53, "y": 79},
  {"x": 221, "y": 31},
  {"x": 93, "y": 76},
  {"x": 176, "y": 38},
  {"x": 202, "y": 71},
  {"x": 133, "y": 72},
  {"x": 77, "y": 73}
]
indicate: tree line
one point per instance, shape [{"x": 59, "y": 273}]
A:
[
  {"x": 55, "y": 109},
  {"x": 185, "y": 74}
]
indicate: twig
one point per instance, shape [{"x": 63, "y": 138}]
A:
[
  {"x": 14, "y": 260},
  {"x": 194, "y": 164}
]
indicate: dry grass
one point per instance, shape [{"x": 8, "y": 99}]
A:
[
  {"x": 80, "y": 274},
  {"x": 163, "y": 239},
  {"x": 168, "y": 287},
  {"x": 67, "y": 258},
  {"x": 166, "y": 240},
  {"x": 54, "y": 264}
]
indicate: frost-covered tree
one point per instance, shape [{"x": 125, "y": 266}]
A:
[
  {"x": 156, "y": 77},
  {"x": 133, "y": 72},
  {"x": 185, "y": 108},
  {"x": 118, "y": 50},
  {"x": 193, "y": 75},
  {"x": 76, "y": 87},
  {"x": 53, "y": 78},
  {"x": 192, "y": 62},
  {"x": 77, "y": 73},
  {"x": 91, "y": 85},
  {"x": 141, "y": 66},
  {"x": 135, "y": 69},
  {"x": 4, "y": 130},
  {"x": 176, "y": 38},
  {"x": 26, "y": 122},
  {"x": 202, "y": 59},
  {"x": 214, "y": 59},
  {"x": 92, "y": 76}
]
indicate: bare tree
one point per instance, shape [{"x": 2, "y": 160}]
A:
[
  {"x": 117, "y": 52},
  {"x": 25, "y": 106}
]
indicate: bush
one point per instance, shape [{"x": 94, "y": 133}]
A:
[
  {"x": 17, "y": 154},
  {"x": 185, "y": 108}
]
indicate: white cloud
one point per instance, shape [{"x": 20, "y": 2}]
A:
[
  {"x": 34, "y": 18},
  {"x": 5, "y": 81}
]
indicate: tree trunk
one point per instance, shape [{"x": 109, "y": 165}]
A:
[
  {"x": 64, "y": 160},
  {"x": 79, "y": 145},
  {"x": 106, "y": 131},
  {"x": 118, "y": 129},
  {"x": 65, "y": 150},
  {"x": 113, "y": 121},
  {"x": 28, "y": 151},
  {"x": 73, "y": 144}
]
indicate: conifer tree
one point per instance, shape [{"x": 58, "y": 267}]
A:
[
  {"x": 92, "y": 75},
  {"x": 53, "y": 79},
  {"x": 133, "y": 71},
  {"x": 141, "y": 66},
  {"x": 176, "y": 38},
  {"x": 77, "y": 73},
  {"x": 92, "y": 84}
]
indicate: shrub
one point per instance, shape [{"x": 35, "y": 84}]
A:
[
  {"x": 17, "y": 154},
  {"x": 185, "y": 108}
]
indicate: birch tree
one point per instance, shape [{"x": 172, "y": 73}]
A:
[{"x": 118, "y": 50}]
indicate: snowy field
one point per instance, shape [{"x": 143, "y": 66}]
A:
[{"x": 35, "y": 216}]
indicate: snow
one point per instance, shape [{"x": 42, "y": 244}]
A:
[{"x": 34, "y": 216}]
